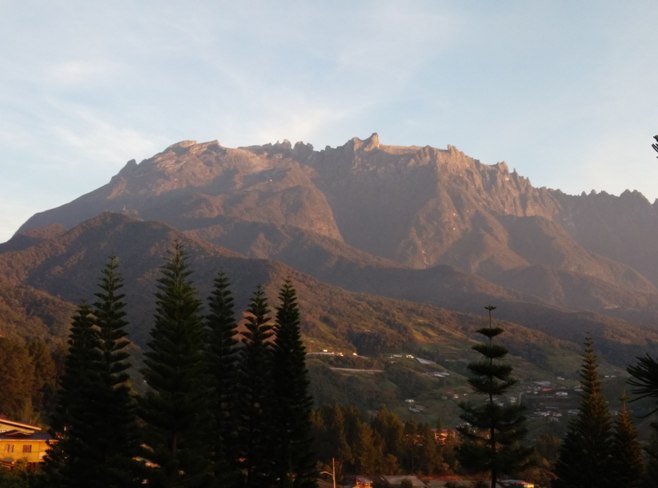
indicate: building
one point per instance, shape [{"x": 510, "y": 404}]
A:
[
  {"x": 395, "y": 481},
  {"x": 20, "y": 441},
  {"x": 516, "y": 484}
]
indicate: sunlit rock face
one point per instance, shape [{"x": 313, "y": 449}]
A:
[{"x": 415, "y": 207}]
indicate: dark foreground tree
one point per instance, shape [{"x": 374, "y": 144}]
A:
[
  {"x": 493, "y": 432},
  {"x": 114, "y": 417},
  {"x": 67, "y": 462},
  {"x": 95, "y": 418},
  {"x": 644, "y": 379},
  {"x": 222, "y": 356},
  {"x": 174, "y": 409},
  {"x": 585, "y": 454},
  {"x": 256, "y": 407},
  {"x": 295, "y": 462}
]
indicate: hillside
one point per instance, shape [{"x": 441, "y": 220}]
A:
[
  {"x": 66, "y": 266},
  {"x": 391, "y": 249},
  {"x": 365, "y": 205}
]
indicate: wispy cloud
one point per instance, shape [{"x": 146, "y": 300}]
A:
[
  {"x": 99, "y": 140},
  {"x": 563, "y": 92},
  {"x": 79, "y": 71}
]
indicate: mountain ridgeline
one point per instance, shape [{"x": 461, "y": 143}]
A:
[{"x": 379, "y": 236}]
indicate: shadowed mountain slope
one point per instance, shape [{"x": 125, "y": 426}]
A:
[
  {"x": 64, "y": 269},
  {"x": 427, "y": 225}
]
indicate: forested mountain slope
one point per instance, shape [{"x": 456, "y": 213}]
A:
[{"x": 359, "y": 213}]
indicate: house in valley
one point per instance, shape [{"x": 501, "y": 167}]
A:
[{"x": 19, "y": 441}]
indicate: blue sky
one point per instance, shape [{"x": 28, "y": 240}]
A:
[{"x": 564, "y": 92}]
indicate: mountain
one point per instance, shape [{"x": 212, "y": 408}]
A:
[
  {"x": 368, "y": 208},
  {"x": 390, "y": 249},
  {"x": 64, "y": 270}
]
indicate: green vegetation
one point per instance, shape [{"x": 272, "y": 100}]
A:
[
  {"x": 28, "y": 375},
  {"x": 94, "y": 420},
  {"x": 494, "y": 431},
  {"x": 222, "y": 356},
  {"x": 174, "y": 409},
  {"x": 199, "y": 427},
  {"x": 216, "y": 411},
  {"x": 292, "y": 429},
  {"x": 382, "y": 444},
  {"x": 593, "y": 454}
]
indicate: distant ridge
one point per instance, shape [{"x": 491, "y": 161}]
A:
[{"x": 429, "y": 226}]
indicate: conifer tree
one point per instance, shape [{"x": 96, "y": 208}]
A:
[
  {"x": 67, "y": 463},
  {"x": 627, "y": 460},
  {"x": 114, "y": 408},
  {"x": 493, "y": 433},
  {"x": 295, "y": 463},
  {"x": 331, "y": 443},
  {"x": 44, "y": 375},
  {"x": 16, "y": 377},
  {"x": 390, "y": 430},
  {"x": 174, "y": 409},
  {"x": 429, "y": 453},
  {"x": 95, "y": 416},
  {"x": 410, "y": 446},
  {"x": 366, "y": 455},
  {"x": 256, "y": 408},
  {"x": 584, "y": 460},
  {"x": 222, "y": 356}
]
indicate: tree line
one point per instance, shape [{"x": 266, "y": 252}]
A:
[
  {"x": 28, "y": 374},
  {"x": 224, "y": 407},
  {"x": 597, "y": 450},
  {"x": 229, "y": 406},
  {"x": 349, "y": 442}
]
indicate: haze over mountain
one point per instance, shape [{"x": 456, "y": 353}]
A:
[{"x": 426, "y": 225}]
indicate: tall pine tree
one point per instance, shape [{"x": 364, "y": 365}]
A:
[
  {"x": 114, "y": 408},
  {"x": 95, "y": 418},
  {"x": 585, "y": 453},
  {"x": 174, "y": 409},
  {"x": 256, "y": 408},
  {"x": 627, "y": 460},
  {"x": 330, "y": 435},
  {"x": 222, "y": 355},
  {"x": 295, "y": 463},
  {"x": 67, "y": 463},
  {"x": 494, "y": 432}
]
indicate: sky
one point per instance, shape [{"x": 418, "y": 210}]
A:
[{"x": 565, "y": 92}]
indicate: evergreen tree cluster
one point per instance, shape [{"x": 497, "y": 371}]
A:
[
  {"x": 493, "y": 432},
  {"x": 28, "y": 374},
  {"x": 224, "y": 407},
  {"x": 227, "y": 404},
  {"x": 597, "y": 451},
  {"x": 382, "y": 444}
]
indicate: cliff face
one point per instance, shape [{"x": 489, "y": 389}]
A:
[{"x": 376, "y": 205}]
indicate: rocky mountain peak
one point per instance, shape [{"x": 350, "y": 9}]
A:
[
  {"x": 418, "y": 206},
  {"x": 370, "y": 143}
]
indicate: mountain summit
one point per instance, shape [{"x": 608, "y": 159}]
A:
[{"x": 367, "y": 209}]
